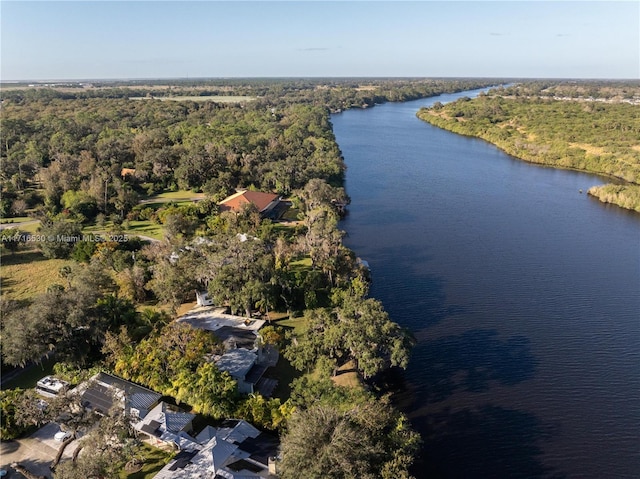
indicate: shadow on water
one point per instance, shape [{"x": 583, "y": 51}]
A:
[
  {"x": 408, "y": 276},
  {"x": 469, "y": 362},
  {"x": 487, "y": 442}
]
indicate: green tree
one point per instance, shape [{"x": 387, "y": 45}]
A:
[
  {"x": 370, "y": 440},
  {"x": 359, "y": 330},
  {"x": 59, "y": 238},
  {"x": 239, "y": 273},
  {"x": 12, "y": 239},
  {"x": 9, "y": 427}
]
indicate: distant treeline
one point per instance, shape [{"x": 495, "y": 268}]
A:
[
  {"x": 335, "y": 94},
  {"x": 601, "y": 138}
]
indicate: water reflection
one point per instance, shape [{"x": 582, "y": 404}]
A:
[
  {"x": 470, "y": 362},
  {"x": 485, "y": 442}
]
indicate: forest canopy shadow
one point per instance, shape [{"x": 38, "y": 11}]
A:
[
  {"x": 469, "y": 362},
  {"x": 428, "y": 305},
  {"x": 484, "y": 443}
]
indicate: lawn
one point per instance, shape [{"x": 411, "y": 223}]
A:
[
  {"x": 145, "y": 228},
  {"x": 31, "y": 375},
  {"x": 19, "y": 219},
  {"x": 285, "y": 373},
  {"x": 292, "y": 214},
  {"x": 301, "y": 265},
  {"x": 154, "y": 460},
  {"x": 180, "y": 195},
  {"x": 299, "y": 325},
  {"x": 27, "y": 273},
  {"x": 136, "y": 228}
]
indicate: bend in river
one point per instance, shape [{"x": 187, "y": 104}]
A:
[{"x": 522, "y": 292}]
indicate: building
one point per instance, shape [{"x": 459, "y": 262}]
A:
[
  {"x": 220, "y": 323},
  {"x": 266, "y": 203},
  {"x": 236, "y": 450},
  {"x": 124, "y": 172},
  {"x": 166, "y": 424},
  {"x": 203, "y": 299},
  {"x": 51, "y": 387},
  {"x": 104, "y": 391},
  {"x": 245, "y": 357}
]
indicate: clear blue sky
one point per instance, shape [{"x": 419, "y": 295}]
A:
[{"x": 160, "y": 39}]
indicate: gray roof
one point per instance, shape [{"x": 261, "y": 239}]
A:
[
  {"x": 237, "y": 362},
  {"x": 104, "y": 390},
  {"x": 165, "y": 418},
  {"x": 237, "y": 430}
]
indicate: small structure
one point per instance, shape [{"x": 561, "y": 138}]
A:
[
  {"x": 237, "y": 450},
  {"x": 203, "y": 299},
  {"x": 127, "y": 172},
  {"x": 166, "y": 425},
  {"x": 264, "y": 202},
  {"x": 51, "y": 387},
  {"x": 103, "y": 391}
]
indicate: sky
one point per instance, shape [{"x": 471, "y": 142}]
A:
[{"x": 52, "y": 40}]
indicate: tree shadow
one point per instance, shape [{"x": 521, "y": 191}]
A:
[
  {"x": 469, "y": 362},
  {"x": 488, "y": 442},
  {"x": 23, "y": 257},
  {"x": 34, "y": 466},
  {"x": 405, "y": 268}
]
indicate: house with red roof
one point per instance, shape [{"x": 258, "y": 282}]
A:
[{"x": 266, "y": 203}]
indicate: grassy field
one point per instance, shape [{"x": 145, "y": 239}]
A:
[
  {"x": 136, "y": 228},
  {"x": 145, "y": 228},
  {"x": 213, "y": 98},
  {"x": 301, "y": 265},
  {"x": 180, "y": 195},
  {"x": 299, "y": 325},
  {"x": 27, "y": 273}
]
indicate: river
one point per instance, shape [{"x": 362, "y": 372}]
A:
[{"x": 523, "y": 293}]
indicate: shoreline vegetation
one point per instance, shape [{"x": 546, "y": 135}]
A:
[{"x": 590, "y": 127}]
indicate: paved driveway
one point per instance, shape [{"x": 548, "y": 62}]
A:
[{"x": 34, "y": 452}]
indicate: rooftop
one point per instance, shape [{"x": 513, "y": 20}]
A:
[
  {"x": 213, "y": 318},
  {"x": 103, "y": 390},
  {"x": 237, "y": 362},
  {"x": 235, "y": 451},
  {"x": 165, "y": 418},
  {"x": 236, "y": 201}
]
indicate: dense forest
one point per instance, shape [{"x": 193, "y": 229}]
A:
[
  {"x": 576, "y": 131},
  {"x": 90, "y": 164}
]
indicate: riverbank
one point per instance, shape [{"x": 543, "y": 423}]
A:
[{"x": 600, "y": 139}]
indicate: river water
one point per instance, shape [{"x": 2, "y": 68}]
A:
[{"x": 523, "y": 293}]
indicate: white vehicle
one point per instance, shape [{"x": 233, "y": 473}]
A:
[{"x": 62, "y": 436}]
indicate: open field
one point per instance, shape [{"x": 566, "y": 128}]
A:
[
  {"x": 27, "y": 273},
  {"x": 213, "y": 98},
  {"x": 180, "y": 195},
  {"x": 145, "y": 228}
]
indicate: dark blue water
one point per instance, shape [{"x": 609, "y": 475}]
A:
[{"x": 523, "y": 293}]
